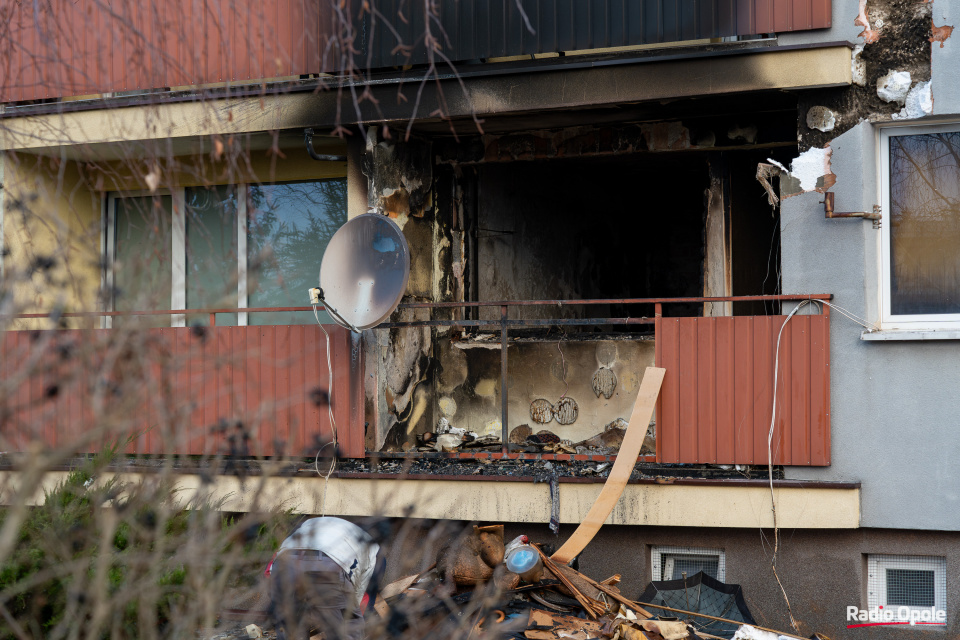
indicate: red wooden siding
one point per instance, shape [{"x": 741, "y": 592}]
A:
[
  {"x": 717, "y": 395},
  {"x": 229, "y": 390},
  {"x": 57, "y": 48}
]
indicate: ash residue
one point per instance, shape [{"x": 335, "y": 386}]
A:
[{"x": 534, "y": 469}]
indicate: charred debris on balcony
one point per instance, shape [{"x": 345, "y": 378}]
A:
[{"x": 517, "y": 590}]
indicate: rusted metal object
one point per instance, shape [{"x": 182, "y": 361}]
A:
[
  {"x": 541, "y": 411},
  {"x": 828, "y": 211}
]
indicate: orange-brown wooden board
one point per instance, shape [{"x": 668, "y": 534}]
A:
[{"x": 622, "y": 467}]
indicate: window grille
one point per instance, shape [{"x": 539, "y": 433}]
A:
[
  {"x": 918, "y": 582},
  {"x": 670, "y": 563}
]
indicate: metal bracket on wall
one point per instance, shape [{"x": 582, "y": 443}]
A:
[{"x": 828, "y": 211}]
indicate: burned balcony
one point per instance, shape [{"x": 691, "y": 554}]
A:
[
  {"x": 514, "y": 395},
  {"x": 266, "y": 391}
]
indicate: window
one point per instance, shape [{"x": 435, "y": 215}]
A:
[
  {"x": 223, "y": 247},
  {"x": 920, "y": 194},
  {"x": 917, "y": 582},
  {"x": 670, "y": 563}
]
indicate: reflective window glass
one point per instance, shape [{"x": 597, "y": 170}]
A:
[
  {"x": 142, "y": 258},
  {"x": 925, "y": 224},
  {"x": 289, "y": 226},
  {"x": 211, "y": 252}
]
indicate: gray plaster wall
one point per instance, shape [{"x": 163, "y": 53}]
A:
[
  {"x": 895, "y": 423},
  {"x": 945, "y": 61}
]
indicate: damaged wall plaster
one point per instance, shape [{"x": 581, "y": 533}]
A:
[
  {"x": 894, "y": 41},
  {"x": 399, "y": 390},
  {"x": 399, "y": 175}
]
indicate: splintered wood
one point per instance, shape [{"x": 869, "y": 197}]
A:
[{"x": 554, "y": 626}]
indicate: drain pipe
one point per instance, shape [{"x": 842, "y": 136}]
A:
[{"x": 308, "y": 140}]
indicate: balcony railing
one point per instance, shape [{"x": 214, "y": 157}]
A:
[
  {"x": 230, "y": 390},
  {"x": 253, "y": 390},
  {"x": 59, "y": 49}
]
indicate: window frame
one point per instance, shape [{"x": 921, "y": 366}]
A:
[
  {"x": 877, "y": 565},
  {"x": 916, "y": 322},
  {"x": 178, "y": 289},
  {"x": 658, "y": 563}
]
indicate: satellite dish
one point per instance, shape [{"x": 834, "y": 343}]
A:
[{"x": 364, "y": 271}]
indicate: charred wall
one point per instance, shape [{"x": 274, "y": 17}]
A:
[{"x": 603, "y": 212}]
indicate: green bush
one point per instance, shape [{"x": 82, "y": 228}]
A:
[{"x": 102, "y": 559}]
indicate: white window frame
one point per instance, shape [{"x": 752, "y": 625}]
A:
[
  {"x": 178, "y": 292},
  {"x": 878, "y": 564},
  {"x": 660, "y": 566},
  {"x": 917, "y": 322}
]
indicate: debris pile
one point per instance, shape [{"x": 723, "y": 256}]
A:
[
  {"x": 539, "y": 598},
  {"x": 523, "y": 439}
]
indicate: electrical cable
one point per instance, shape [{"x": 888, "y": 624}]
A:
[
  {"x": 333, "y": 422},
  {"x": 773, "y": 420}
]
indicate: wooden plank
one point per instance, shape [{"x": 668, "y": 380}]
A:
[
  {"x": 689, "y": 400},
  {"x": 706, "y": 391},
  {"x": 725, "y": 390},
  {"x": 622, "y": 468}
]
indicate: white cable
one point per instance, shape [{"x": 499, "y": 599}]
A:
[
  {"x": 333, "y": 422},
  {"x": 773, "y": 421}
]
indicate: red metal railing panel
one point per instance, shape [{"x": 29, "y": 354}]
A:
[
  {"x": 68, "y": 48},
  {"x": 707, "y": 391},
  {"x": 725, "y": 389},
  {"x": 223, "y": 390},
  {"x": 717, "y": 396}
]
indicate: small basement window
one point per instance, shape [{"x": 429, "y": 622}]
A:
[
  {"x": 917, "y": 582},
  {"x": 671, "y": 563}
]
